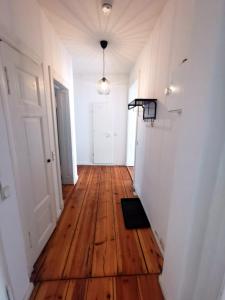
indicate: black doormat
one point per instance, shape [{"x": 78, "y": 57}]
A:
[{"x": 134, "y": 214}]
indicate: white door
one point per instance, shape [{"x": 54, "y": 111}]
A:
[
  {"x": 27, "y": 123},
  {"x": 102, "y": 129},
  {"x": 64, "y": 135}
]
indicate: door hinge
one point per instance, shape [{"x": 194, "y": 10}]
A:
[
  {"x": 30, "y": 239},
  {"x": 7, "y": 80}
]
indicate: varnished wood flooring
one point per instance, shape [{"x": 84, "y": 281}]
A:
[
  {"x": 91, "y": 255},
  {"x": 67, "y": 189}
]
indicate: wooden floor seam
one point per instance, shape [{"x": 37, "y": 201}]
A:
[
  {"x": 91, "y": 254},
  {"x": 89, "y": 181}
]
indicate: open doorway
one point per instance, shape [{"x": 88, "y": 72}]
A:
[
  {"x": 131, "y": 129},
  {"x": 64, "y": 137}
]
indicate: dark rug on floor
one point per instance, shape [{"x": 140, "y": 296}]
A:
[{"x": 134, "y": 214}]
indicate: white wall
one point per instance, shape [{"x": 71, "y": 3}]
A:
[
  {"x": 155, "y": 153},
  {"x": 180, "y": 161},
  {"x": 86, "y": 94},
  {"x": 131, "y": 125},
  {"x": 194, "y": 264},
  {"x": 56, "y": 56},
  {"x": 23, "y": 24}
]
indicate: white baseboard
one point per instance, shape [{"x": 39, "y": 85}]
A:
[
  {"x": 92, "y": 164},
  {"x": 76, "y": 179},
  {"x": 152, "y": 227},
  {"x": 157, "y": 240},
  {"x": 84, "y": 163},
  {"x": 59, "y": 214},
  {"x": 162, "y": 287},
  {"x": 29, "y": 291}
]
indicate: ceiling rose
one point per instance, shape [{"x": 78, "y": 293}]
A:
[{"x": 106, "y": 8}]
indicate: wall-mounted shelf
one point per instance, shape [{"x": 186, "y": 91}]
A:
[{"x": 149, "y": 107}]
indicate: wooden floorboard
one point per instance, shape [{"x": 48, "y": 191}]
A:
[
  {"x": 104, "y": 253},
  {"x": 52, "y": 290},
  {"x": 129, "y": 252},
  {"x": 59, "y": 245},
  {"x": 79, "y": 262},
  {"x": 77, "y": 289},
  {"x": 150, "y": 249},
  {"x": 144, "y": 287},
  {"x": 91, "y": 255},
  {"x": 67, "y": 189},
  {"x": 100, "y": 288}
]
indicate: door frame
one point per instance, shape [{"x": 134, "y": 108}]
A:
[
  {"x": 129, "y": 121},
  {"x": 52, "y": 75},
  {"x": 9, "y": 127},
  {"x": 64, "y": 132},
  {"x": 136, "y": 79}
]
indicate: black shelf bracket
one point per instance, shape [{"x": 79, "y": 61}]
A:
[{"x": 149, "y": 107}]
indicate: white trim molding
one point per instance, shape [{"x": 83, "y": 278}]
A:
[{"x": 29, "y": 291}]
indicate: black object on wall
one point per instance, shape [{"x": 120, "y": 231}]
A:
[{"x": 149, "y": 107}]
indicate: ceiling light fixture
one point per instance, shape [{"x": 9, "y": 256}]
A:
[
  {"x": 103, "y": 85},
  {"x": 106, "y": 8}
]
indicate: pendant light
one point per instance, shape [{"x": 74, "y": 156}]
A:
[{"x": 103, "y": 84}]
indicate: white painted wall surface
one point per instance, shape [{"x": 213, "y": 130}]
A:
[
  {"x": 194, "y": 259},
  {"x": 223, "y": 295},
  {"x": 131, "y": 125},
  {"x": 86, "y": 94},
  {"x": 56, "y": 56},
  {"x": 180, "y": 161},
  {"x": 155, "y": 152},
  {"x": 23, "y": 24}
]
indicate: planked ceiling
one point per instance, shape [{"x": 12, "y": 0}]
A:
[{"x": 81, "y": 25}]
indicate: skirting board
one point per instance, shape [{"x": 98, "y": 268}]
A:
[
  {"x": 162, "y": 287},
  {"x": 107, "y": 165},
  {"x": 84, "y": 163},
  {"x": 153, "y": 228},
  {"x": 29, "y": 291},
  {"x": 76, "y": 178}
]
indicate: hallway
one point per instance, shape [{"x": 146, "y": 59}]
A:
[{"x": 91, "y": 241}]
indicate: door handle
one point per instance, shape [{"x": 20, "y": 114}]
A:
[{"x": 48, "y": 160}]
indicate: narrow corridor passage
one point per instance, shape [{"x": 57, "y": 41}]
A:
[{"x": 91, "y": 255}]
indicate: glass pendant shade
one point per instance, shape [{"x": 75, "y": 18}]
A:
[{"x": 103, "y": 86}]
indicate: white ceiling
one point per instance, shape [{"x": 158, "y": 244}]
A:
[{"x": 81, "y": 25}]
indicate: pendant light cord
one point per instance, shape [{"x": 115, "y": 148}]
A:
[{"x": 103, "y": 75}]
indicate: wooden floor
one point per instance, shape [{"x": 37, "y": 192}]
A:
[
  {"x": 91, "y": 255},
  {"x": 67, "y": 189}
]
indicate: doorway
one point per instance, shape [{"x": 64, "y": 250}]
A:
[
  {"x": 62, "y": 107},
  {"x": 102, "y": 133},
  {"x": 131, "y": 129}
]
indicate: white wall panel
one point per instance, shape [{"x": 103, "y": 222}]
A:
[
  {"x": 86, "y": 94},
  {"x": 23, "y": 24}
]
